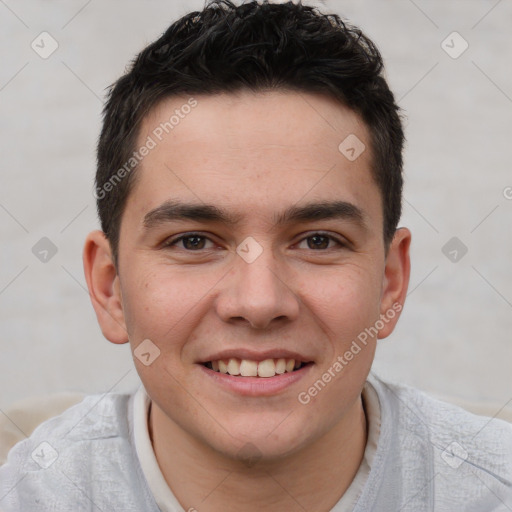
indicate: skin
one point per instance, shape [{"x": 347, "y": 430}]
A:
[{"x": 253, "y": 155}]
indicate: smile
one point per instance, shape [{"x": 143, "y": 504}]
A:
[{"x": 249, "y": 368}]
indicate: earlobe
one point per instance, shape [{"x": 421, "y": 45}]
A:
[
  {"x": 396, "y": 281},
  {"x": 104, "y": 290}
]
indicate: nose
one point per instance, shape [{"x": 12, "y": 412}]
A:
[{"x": 258, "y": 293}]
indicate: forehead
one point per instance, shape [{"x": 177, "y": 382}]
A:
[{"x": 258, "y": 151}]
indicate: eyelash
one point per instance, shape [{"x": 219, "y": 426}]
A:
[{"x": 173, "y": 242}]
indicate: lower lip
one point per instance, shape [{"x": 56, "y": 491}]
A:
[{"x": 256, "y": 386}]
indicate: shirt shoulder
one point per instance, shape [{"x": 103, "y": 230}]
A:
[
  {"x": 444, "y": 455},
  {"x": 484, "y": 441},
  {"x": 81, "y": 457}
]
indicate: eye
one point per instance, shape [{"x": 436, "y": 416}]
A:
[
  {"x": 320, "y": 241},
  {"x": 190, "y": 242}
]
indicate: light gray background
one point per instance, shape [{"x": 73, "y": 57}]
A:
[{"x": 454, "y": 337}]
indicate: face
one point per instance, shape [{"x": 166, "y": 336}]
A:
[{"x": 252, "y": 244}]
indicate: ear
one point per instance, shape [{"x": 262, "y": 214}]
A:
[
  {"x": 104, "y": 288},
  {"x": 396, "y": 281}
]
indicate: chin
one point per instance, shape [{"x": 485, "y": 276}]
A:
[{"x": 256, "y": 440}]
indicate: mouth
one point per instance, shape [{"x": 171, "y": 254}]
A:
[{"x": 250, "y": 368}]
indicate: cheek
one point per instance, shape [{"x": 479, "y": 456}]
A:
[
  {"x": 162, "y": 309},
  {"x": 346, "y": 299},
  {"x": 347, "y": 302},
  {"x": 161, "y": 303}
]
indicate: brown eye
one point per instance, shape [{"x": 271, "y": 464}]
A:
[
  {"x": 193, "y": 242},
  {"x": 190, "y": 242},
  {"x": 320, "y": 241}
]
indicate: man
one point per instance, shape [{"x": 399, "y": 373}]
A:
[{"x": 249, "y": 190}]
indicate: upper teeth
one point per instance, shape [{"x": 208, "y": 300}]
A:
[{"x": 248, "y": 368}]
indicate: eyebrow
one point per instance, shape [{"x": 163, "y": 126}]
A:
[
  {"x": 323, "y": 210},
  {"x": 177, "y": 210},
  {"x": 174, "y": 210}
]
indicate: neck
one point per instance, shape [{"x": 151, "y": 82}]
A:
[{"x": 313, "y": 478}]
